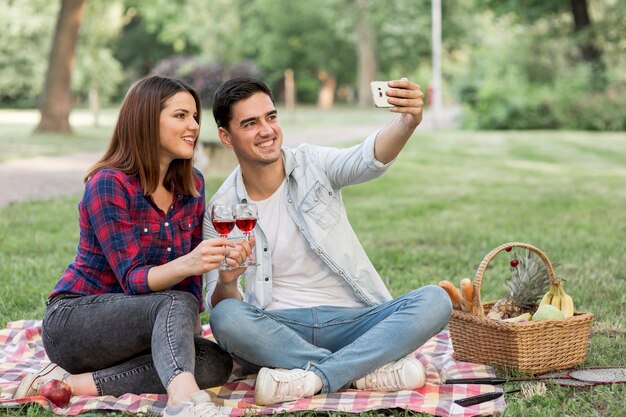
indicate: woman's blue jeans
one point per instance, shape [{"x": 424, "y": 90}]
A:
[
  {"x": 132, "y": 343},
  {"x": 339, "y": 344}
]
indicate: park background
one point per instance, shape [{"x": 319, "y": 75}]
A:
[{"x": 536, "y": 151}]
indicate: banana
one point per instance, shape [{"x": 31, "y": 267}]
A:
[
  {"x": 567, "y": 304},
  {"x": 556, "y": 299},
  {"x": 547, "y": 299}
]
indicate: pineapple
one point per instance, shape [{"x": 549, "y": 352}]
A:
[{"x": 529, "y": 281}]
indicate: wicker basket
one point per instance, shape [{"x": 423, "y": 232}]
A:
[{"x": 532, "y": 347}]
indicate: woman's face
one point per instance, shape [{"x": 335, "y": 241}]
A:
[{"x": 178, "y": 128}]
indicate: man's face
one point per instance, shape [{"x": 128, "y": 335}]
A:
[{"x": 254, "y": 132}]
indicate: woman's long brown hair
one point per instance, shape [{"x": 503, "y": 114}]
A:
[{"x": 134, "y": 147}]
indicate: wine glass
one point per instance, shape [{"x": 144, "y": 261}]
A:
[
  {"x": 246, "y": 215},
  {"x": 223, "y": 220}
]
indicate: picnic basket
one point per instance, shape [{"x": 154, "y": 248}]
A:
[{"x": 532, "y": 347}]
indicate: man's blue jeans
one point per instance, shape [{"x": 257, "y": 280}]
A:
[{"x": 337, "y": 343}]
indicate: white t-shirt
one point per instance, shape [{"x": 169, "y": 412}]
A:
[{"x": 299, "y": 277}]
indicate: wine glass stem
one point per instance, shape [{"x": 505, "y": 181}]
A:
[
  {"x": 224, "y": 262},
  {"x": 247, "y": 260}
]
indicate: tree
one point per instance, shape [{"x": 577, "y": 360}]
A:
[
  {"x": 314, "y": 39},
  {"x": 366, "y": 53},
  {"x": 589, "y": 51},
  {"x": 532, "y": 11},
  {"x": 98, "y": 73},
  {"x": 56, "y": 96},
  {"x": 25, "y": 37}
]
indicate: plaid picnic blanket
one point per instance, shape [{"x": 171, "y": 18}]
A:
[{"x": 21, "y": 351}]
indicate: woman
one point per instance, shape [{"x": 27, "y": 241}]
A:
[{"x": 124, "y": 317}]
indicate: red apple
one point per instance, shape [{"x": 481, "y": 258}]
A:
[{"x": 58, "y": 392}]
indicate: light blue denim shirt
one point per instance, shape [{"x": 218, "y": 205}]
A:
[{"x": 315, "y": 176}]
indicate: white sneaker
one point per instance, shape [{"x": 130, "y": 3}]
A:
[
  {"x": 30, "y": 384},
  {"x": 200, "y": 405},
  {"x": 280, "y": 385},
  {"x": 404, "y": 374}
]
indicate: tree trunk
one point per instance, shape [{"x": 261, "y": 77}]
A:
[
  {"x": 366, "y": 54},
  {"x": 290, "y": 93},
  {"x": 326, "y": 96},
  {"x": 56, "y": 99},
  {"x": 588, "y": 50},
  {"x": 94, "y": 105}
]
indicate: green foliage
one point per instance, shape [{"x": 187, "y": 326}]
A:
[
  {"x": 24, "y": 42},
  {"x": 530, "y": 10},
  {"x": 508, "y": 63},
  {"x": 300, "y": 36},
  {"x": 96, "y": 67},
  {"x": 25, "y": 46},
  {"x": 137, "y": 48},
  {"x": 525, "y": 77}
]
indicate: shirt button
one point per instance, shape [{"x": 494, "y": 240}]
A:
[
  {"x": 330, "y": 193},
  {"x": 316, "y": 200},
  {"x": 267, "y": 279},
  {"x": 167, "y": 224},
  {"x": 169, "y": 249},
  {"x": 264, "y": 249},
  {"x": 145, "y": 230}
]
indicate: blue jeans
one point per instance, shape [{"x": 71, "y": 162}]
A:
[
  {"x": 339, "y": 344},
  {"x": 132, "y": 343}
]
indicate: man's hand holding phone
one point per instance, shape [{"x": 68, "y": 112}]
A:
[{"x": 400, "y": 96}]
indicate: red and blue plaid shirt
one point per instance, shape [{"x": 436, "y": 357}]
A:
[{"x": 123, "y": 234}]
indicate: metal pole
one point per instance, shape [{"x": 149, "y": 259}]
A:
[{"x": 436, "y": 84}]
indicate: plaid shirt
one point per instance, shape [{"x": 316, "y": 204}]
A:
[{"x": 123, "y": 234}]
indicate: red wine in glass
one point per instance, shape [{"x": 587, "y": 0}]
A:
[
  {"x": 245, "y": 225},
  {"x": 223, "y": 227},
  {"x": 223, "y": 219}
]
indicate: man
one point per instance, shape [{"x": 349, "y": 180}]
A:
[{"x": 314, "y": 314}]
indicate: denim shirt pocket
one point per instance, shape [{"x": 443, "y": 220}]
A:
[{"x": 322, "y": 205}]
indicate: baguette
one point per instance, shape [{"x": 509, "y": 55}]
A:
[{"x": 453, "y": 292}]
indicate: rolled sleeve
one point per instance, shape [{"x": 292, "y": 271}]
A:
[{"x": 367, "y": 150}]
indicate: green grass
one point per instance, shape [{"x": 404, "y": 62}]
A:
[{"x": 449, "y": 199}]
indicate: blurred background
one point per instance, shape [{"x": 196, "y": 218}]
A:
[{"x": 533, "y": 64}]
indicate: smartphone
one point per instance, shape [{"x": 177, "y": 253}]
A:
[{"x": 379, "y": 93}]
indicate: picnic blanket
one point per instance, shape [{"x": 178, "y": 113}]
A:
[{"x": 21, "y": 351}]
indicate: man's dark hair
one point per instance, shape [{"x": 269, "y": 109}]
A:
[{"x": 233, "y": 91}]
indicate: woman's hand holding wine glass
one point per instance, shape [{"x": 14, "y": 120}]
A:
[{"x": 209, "y": 254}]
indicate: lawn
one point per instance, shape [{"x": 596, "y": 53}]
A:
[{"x": 450, "y": 198}]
